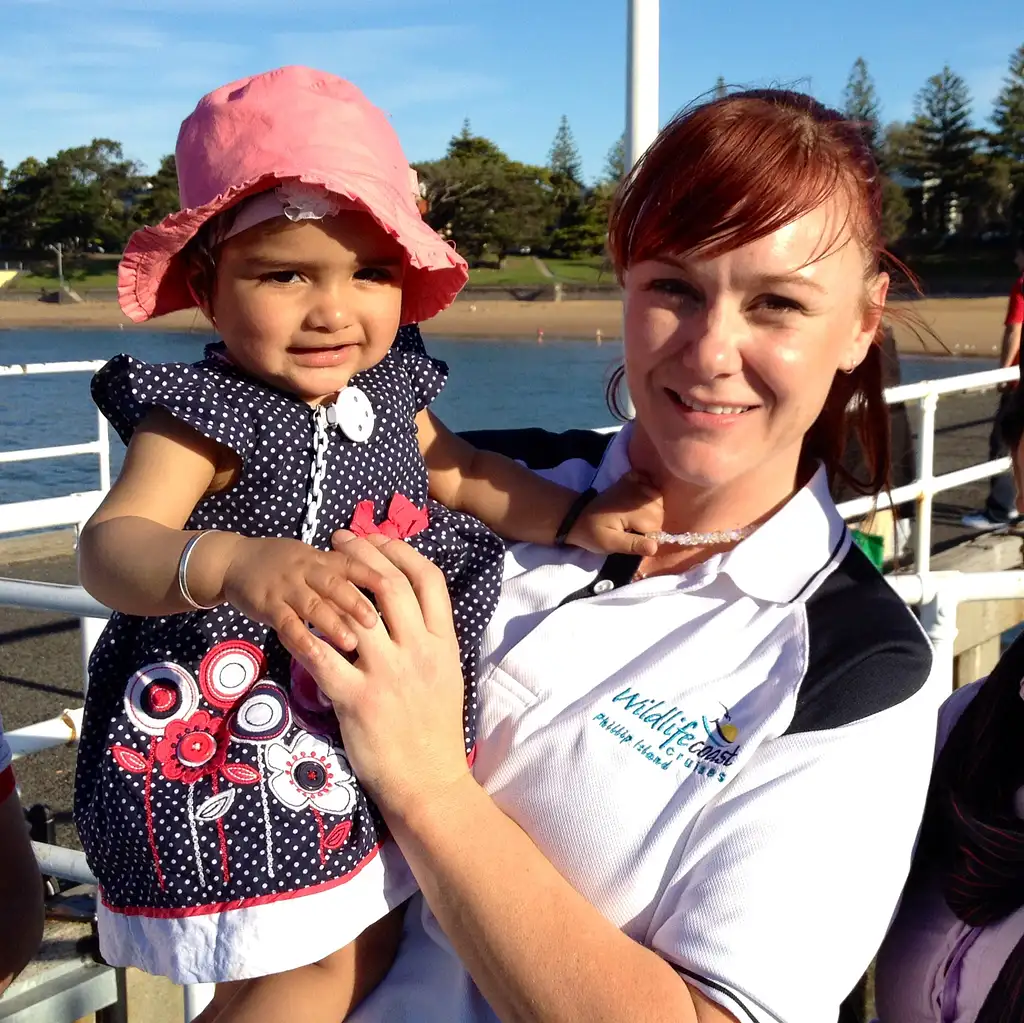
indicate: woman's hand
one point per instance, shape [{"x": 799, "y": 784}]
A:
[
  {"x": 285, "y": 584},
  {"x": 400, "y": 703}
]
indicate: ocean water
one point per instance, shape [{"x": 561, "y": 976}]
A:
[{"x": 493, "y": 384}]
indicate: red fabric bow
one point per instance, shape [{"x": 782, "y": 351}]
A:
[{"x": 404, "y": 519}]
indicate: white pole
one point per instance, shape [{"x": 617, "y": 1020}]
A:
[
  {"x": 642, "y": 70},
  {"x": 643, "y": 47},
  {"x": 197, "y": 998}
]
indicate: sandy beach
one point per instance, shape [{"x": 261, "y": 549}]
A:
[{"x": 963, "y": 326}]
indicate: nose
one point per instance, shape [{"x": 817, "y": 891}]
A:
[
  {"x": 330, "y": 309},
  {"x": 713, "y": 350}
]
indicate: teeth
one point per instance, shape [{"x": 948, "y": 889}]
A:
[{"x": 715, "y": 410}]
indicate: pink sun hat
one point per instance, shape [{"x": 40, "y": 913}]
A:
[{"x": 293, "y": 123}]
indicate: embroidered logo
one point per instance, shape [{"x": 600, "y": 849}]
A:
[{"x": 666, "y": 735}]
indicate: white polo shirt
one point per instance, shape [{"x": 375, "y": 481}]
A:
[{"x": 730, "y": 764}]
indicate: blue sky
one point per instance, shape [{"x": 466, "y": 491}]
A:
[{"x": 132, "y": 69}]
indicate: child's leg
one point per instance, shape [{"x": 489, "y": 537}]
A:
[{"x": 325, "y": 991}]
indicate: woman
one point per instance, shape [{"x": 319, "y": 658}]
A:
[
  {"x": 955, "y": 953},
  {"x": 684, "y": 762}
]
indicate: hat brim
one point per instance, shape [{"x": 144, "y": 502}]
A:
[{"x": 151, "y": 278}]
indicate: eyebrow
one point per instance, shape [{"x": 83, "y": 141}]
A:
[
  {"x": 793, "y": 278},
  {"x": 769, "y": 280},
  {"x": 258, "y": 262}
]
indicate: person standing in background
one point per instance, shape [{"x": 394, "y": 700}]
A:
[{"x": 999, "y": 508}]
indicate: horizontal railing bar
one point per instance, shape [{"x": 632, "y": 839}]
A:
[
  {"x": 34, "y": 368},
  {"x": 61, "y": 731},
  {"x": 68, "y": 864},
  {"x": 92, "y": 447},
  {"x": 951, "y": 385},
  {"x": 965, "y": 586},
  {"x": 912, "y": 491},
  {"x": 72, "y": 600},
  {"x": 48, "y": 512}
]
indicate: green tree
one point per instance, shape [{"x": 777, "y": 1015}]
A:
[
  {"x": 615, "y": 162},
  {"x": 895, "y": 211},
  {"x": 81, "y": 198},
  {"x": 159, "y": 196},
  {"x": 564, "y": 158},
  {"x": 942, "y": 149},
  {"x": 1008, "y": 114},
  {"x": 485, "y": 202},
  {"x": 582, "y": 226},
  {"x": 861, "y": 106},
  {"x": 467, "y": 146}
]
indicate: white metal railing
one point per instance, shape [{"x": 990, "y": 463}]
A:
[
  {"x": 100, "y": 446},
  {"x": 923, "y": 490},
  {"x": 70, "y": 510}
]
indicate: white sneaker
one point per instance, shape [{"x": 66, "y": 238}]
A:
[{"x": 983, "y": 522}]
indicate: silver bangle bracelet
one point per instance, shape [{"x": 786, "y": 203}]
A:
[{"x": 183, "y": 572}]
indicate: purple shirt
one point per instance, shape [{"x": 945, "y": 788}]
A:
[{"x": 932, "y": 967}]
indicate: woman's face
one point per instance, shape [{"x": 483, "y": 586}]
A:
[{"x": 729, "y": 360}]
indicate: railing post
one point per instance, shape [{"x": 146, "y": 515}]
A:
[
  {"x": 89, "y": 630},
  {"x": 926, "y": 476},
  {"x": 103, "y": 441},
  {"x": 938, "y": 618},
  {"x": 197, "y": 998}
]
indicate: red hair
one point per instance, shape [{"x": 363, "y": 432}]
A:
[{"x": 730, "y": 171}]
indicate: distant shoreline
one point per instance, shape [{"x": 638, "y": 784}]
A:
[{"x": 965, "y": 326}]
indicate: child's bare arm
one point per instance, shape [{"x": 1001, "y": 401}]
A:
[
  {"x": 520, "y": 505},
  {"x": 325, "y": 991},
  {"x": 130, "y": 549}
]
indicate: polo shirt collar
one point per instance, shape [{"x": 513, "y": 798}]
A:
[
  {"x": 781, "y": 562},
  {"x": 784, "y": 560}
]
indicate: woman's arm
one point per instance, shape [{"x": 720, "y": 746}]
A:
[
  {"x": 534, "y": 946},
  {"x": 520, "y": 505},
  {"x": 129, "y": 550}
]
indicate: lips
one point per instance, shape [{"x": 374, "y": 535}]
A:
[
  {"x": 324, "y": 357},
  {"x": 309, "y": 350}
]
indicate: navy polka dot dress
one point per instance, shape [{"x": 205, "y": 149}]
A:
[{"x": 213, "y": 797}]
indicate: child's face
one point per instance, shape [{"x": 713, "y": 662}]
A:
[{"x": 304, "y": 306}]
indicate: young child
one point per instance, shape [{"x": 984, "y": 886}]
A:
[{"x": 213, "y": 797}]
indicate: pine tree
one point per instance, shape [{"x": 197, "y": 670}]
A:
[
  {"x": 564, "y": 158},
  {"x": 1008, "y": 114},
  {"x": 943, "y": 152},
  {"x": 861, "y": 106},
  {"x": 615, "y": 162}
]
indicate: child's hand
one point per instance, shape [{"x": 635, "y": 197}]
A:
[
  {"x": 615, "y": 521},
  {"x": 286, "y": 584}
]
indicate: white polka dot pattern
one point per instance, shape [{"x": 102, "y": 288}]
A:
[{"x": 151, "y": 773}]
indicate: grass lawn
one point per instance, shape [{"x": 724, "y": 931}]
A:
[
  {"x": 519, "y": 270},
  {"x": 588, "y": 270},
  {"x": 79, "y": 279},
  {"x": 86, "y": 273}
]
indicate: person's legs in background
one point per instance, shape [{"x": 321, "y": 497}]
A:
[{"x": 999, "y": 507}]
